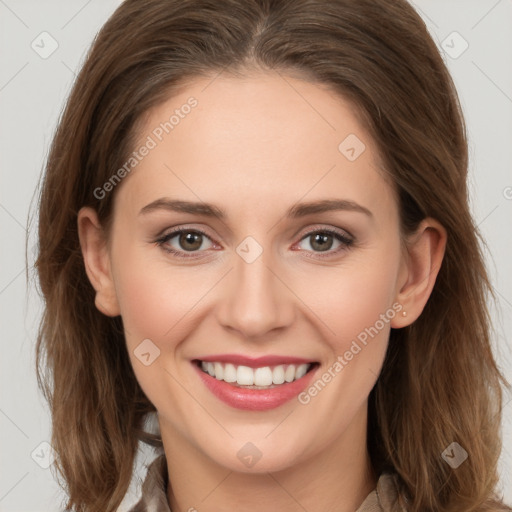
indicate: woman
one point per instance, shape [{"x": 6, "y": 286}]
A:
[{"x": 254, "y": 223}]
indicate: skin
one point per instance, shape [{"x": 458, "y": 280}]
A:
[{"x": 255, "y": 146}]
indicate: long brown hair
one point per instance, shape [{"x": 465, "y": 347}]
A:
[{"x": 440, "y": 382}]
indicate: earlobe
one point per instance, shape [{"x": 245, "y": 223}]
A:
[
  {"x": 425, "y": 252},
  {"x": 96, "y": 260}
]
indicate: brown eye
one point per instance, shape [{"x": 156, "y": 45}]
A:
[
  {"x": 187, "y": 241},
  {"x": 190, "y": 241},
  {"x": 322, "y": 241}
]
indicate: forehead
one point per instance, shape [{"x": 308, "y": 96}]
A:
[{"x": 254, "y": 141}]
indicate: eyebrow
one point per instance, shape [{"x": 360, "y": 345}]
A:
[{"x": 296, "y": 211}]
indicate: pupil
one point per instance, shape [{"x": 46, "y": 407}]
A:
[
  {"x": 320, "y": 239},
  {"x": 189, "y": 238}
]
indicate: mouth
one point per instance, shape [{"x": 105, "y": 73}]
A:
[
  {"x": 263, "y": 377},
  {"x": 257, "y": 384}
]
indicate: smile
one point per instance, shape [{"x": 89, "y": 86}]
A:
[
  {"x": 255, "y": 384},
  {"x": 263, "y": 377}
]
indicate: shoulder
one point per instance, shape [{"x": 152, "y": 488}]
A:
[
  {"x": 154, "y": 488},
  {"x": 388, "y": 495},
  {"x": 390, "y": 500}
]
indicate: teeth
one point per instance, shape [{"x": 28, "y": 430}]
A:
[
  {"x": 219, "y": 371},
  {"x": 230, "y": 373},
  {"x": 278, "y": 374},
  {"x": 265, "y": 376},
  {"x": 301, "y": 371},
  {"x": 289, "y": 374},
  {"x": 244, "y": 376}
]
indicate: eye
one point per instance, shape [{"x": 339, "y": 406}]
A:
[
  {"x": 189, "y": 243},
  {"x": 322, "y": 241},
  {"x": 187, "y": 240}
]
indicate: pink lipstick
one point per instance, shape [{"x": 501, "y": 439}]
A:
[{"x": 255, "y": 384}]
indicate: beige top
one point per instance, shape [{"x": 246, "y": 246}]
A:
[{"x": 154, "y": 492}]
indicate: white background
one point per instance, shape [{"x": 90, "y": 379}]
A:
[{"x": 32, "y": 92}]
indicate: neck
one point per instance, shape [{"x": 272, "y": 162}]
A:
[{"x": 339, "y": 478}]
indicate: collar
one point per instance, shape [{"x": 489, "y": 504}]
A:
[{"x": 384, "y": 498}]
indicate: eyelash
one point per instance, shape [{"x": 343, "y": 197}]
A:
[{"x": 345, "y": 241}]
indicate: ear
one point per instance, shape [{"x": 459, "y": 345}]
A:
[
  {"x": 97, "y": 261},
  {"x": 421, "y": 262}
]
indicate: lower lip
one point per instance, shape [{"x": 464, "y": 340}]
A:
[{"x": 254, "y": 399}]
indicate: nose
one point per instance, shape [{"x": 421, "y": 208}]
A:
[{"x": 256, "y": 300}]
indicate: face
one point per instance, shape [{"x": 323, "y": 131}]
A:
[{"x": 283, "y": 256}]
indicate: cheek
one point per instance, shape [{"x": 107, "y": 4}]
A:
[
  {"x": 366, "y": 297},
  {"x": 157, "y": 298},
  {"x": 153, "y": 299},
  {"x": 355, "y": 307},
  {"x": 352, "y": 298},
  {"x": 156, "y": 304}
]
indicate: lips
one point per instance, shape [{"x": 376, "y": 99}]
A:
[
  {"x": 263, "y": 376},
  {"x": 255, "y": 383},
  {"x": 255, "y": 362}
]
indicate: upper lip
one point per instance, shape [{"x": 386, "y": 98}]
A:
[{"x": 253, "y": 362}]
